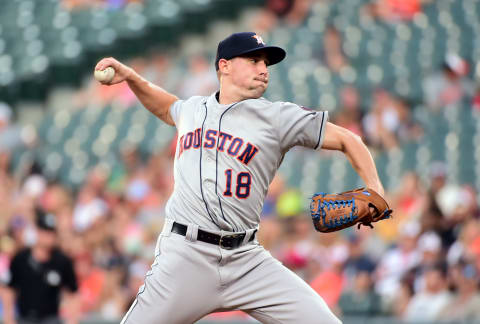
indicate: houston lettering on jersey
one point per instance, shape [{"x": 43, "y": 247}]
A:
[{"x": 224, "y": 142}]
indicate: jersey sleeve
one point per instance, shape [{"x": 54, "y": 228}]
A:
[
  {"x": 300, "y": 126},
  {"x": 175, "y": 110}
]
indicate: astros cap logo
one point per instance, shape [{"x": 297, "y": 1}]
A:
[{"x": 259, "y": 39}]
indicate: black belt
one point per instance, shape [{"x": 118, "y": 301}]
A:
[{"x": 228, "y": 242}]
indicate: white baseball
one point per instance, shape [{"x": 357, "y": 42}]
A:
[{"x": 104, "y": 76}]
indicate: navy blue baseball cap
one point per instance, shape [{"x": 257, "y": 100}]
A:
[{"x": 244, "y": 43}]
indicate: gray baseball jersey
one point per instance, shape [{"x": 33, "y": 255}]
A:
[{"x": 227, "y": 155}]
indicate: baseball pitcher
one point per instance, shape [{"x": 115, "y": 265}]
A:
[{"x": 230, "y": 145}]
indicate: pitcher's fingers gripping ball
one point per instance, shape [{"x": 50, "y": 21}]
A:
[
  {"x": 333, "y": 212},
  {"x": 104, "y": 76}
]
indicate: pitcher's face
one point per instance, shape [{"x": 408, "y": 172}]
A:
[{"x": 249, "y": 74}]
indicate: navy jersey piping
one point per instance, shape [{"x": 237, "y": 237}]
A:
[
  {"x": 216, "y": 164},
  {"x": 201, "y": 150},
  {"x": 320, "y": 135}
]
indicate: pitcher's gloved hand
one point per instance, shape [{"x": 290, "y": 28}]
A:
[{"x": 334, "y": 212}]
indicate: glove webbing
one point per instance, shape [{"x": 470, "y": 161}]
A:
[{"x": 339, "y": 203}]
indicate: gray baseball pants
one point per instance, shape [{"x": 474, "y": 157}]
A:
[{"x": 190, "y": 279}]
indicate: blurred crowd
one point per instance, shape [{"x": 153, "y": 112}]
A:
[
  {"x": 108, "y": 226},
  {"x": 423, "y": 264}
]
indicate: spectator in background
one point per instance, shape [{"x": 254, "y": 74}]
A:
[
  {"x": 299, "y": 12},
  {"x": 350, "y": 114},
  {"x": 433, "y": 220},
  {"x": 113, "y": 301},
  {"x": 431, "y": 253},
  {"x": 457, "y": 203},
  {"x": 88, "y": 209},
  {"x": 358, "y": 260},
  {"x": 330, "y": 281},
  {"x": 361, "y": 300},
  {"x": 449, "y": 86},
  {"x": 402, "y": 298},
  {"x": 462, "y": 248},
  {"x": 428, "y": 304},
  {"x": 397, "y": 262},
  {"x": 290, "y": 12},
  {"x": 280, "y": 8},
  {"x": 465, "y": 304},
  {"x": 37, "y": 278},
  {"x": 408, "y": 201},
  {"x": 451, "y": 207},
  {"x": 410, "y": 198},
  {"x": 394, "y": 10},
  {"x": 91, "y": 280},
  {"x": 332, "y": 53},
  {"x": 430, "y": 247},
  {"x": 296, "y": 250},
  {"x": 387, "y": 122}
]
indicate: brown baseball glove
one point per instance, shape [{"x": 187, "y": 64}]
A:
[{"x": 334, "y": 212}]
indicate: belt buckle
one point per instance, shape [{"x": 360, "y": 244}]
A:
[{"x": 232, "y": 236}]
